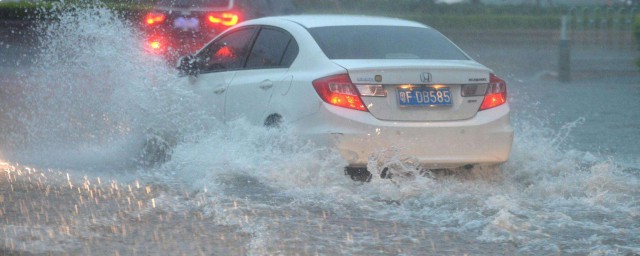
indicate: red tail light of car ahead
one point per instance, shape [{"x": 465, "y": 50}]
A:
[
  {"x": 496, "y": 93},
  {"x": 226, "y": 19},
  {"x": 338, "y": 90},
  {"x": 154, "y": 18},
  {"x": 156, "y": 44}
]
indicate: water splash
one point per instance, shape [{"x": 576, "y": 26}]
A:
[
  {"x": 545, "y": 199},
  {"x": 94, "y": 95}
]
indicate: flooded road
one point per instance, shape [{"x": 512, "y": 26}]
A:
[{"x": 72, "y": 181}]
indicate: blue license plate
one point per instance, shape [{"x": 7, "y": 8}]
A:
[
  {"x": 425, "y": 96},
  {"x": 186, "y": 23}
]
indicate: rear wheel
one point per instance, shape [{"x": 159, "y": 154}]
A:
[
  {"x": 157, "y": 148},
  {"x": 273, "y": 121},
  {"x": 358, "y": 173}
]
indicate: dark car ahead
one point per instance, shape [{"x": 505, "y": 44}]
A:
[{"x": 177, "y": 27}]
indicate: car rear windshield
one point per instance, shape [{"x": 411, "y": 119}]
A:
[
  {"x": 194, "y": 3},
  {"x": 385, "y": 42}
]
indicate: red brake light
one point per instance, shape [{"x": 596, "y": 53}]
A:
[
  {"x": 339, "y": 91},
  {"x": 153, "y": 18},
  {"x": 156, "y": 44},
  {"x": 496, "y": 93},
  {"x": 227, "y": 19}
]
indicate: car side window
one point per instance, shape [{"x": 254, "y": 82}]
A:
[
  {"x": 272, "y": 49},
  {"x": 291, "y": 54},
  {"x": 226, "y": 53}
]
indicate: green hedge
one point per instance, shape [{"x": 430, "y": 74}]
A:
[
  {"x": 19, "y": 11},
  {"x": 460, "y": 16},
  {"x": 456, "y": 16},
  {"x": 422, "y": 6},
  {"x": 30, "y": 11},
  {"x": 487, "y": 21}
]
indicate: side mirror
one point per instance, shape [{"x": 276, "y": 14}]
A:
[{"x": 187, "y": 66}]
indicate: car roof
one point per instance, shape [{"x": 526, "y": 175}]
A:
[{"x": 314, "y": 21}]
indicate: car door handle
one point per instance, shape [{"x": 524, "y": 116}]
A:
[
  {"x": 266, "y": 84},
  {"x": 219, "y": 90}
]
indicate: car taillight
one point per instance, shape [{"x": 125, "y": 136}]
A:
[
  {"x": 154, "y": 18},
  {"x": 496, "y": 94},
  {"x": 156, "y": 44},
  {"x": 227, "y": 19},
  {"x": 339, "y": 91}
]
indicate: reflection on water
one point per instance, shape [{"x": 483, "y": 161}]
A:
[{"x": 72, "y": 182}]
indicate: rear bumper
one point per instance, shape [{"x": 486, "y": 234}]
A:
[{"x": 485, "y": 139}]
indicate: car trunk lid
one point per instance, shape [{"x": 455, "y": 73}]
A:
[{"x": 410, "y": 83}]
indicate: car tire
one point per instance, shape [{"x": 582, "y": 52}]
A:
[
  {"x": 157, "y": 149},
  {"x": 273, "y": 121}
]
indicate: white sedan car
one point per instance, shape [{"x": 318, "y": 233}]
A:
[{"x": 360, "y": 85}]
